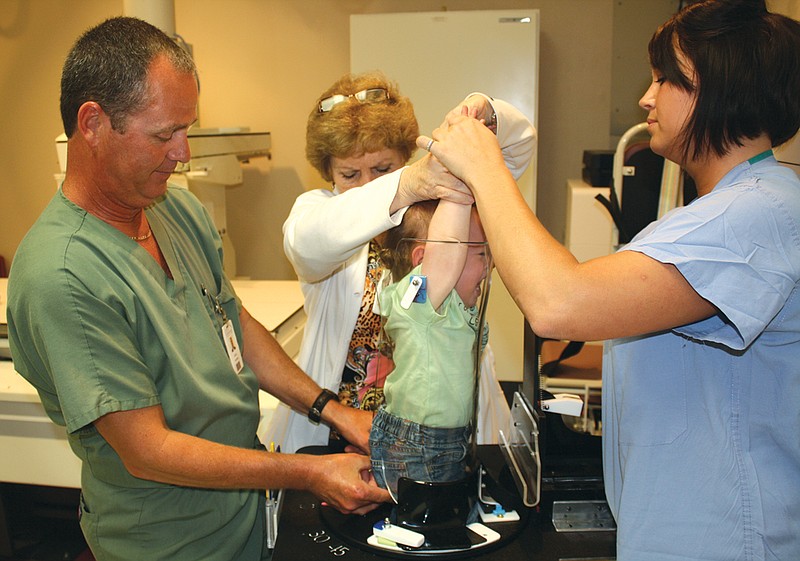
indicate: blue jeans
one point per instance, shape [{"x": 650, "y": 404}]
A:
[{"x": 401, "y": 448}]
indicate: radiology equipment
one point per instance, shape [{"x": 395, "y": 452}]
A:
[
  {"x": 215, "y": 165},
  {"x": 490, "y": 506},
  {"x": 434, "y": 356}
]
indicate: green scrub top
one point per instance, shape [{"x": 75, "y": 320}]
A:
[{"x": 97, "y": 326}]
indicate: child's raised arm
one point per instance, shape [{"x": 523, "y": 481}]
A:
[{"x": 443, "y": 262}]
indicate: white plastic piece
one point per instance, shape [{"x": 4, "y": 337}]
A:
[
  {"x": 486, "y": 533},
  {"x": 564, "y": 403},
  {"x": 483, "y": 531},
  {"x": 411, "y": 292},
  {"x": 397, "y": 534}
]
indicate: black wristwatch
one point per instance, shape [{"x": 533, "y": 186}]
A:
[{"x": 315, "y": 413}]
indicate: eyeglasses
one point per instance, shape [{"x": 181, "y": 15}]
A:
[{"x": 371, "y": 95}]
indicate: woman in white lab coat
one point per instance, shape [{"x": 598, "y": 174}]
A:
[
  {"x": 701, "y": 378},
  {"x": 360, "y": 135}
]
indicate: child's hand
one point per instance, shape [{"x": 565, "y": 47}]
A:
[{"x": 477, "y": 107}]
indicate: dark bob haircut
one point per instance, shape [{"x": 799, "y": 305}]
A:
[{"x": 744, "y": 65}]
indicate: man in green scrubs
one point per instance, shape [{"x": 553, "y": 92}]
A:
[{"x": 121, "y": 316}]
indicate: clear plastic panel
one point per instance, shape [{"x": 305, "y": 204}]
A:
[{"x": 520, "y": 446}]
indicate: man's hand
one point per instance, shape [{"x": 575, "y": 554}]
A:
[
  {"x": 345, "y": 482},
  {"x": 353, "y": 424}
]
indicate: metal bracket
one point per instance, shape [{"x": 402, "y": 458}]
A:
[{"x": 582, "y": 516}]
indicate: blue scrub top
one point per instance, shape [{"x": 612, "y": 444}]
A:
[{"x": 701, "y": 422}]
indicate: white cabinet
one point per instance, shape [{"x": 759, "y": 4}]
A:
[{"x": 590, "y": 230}]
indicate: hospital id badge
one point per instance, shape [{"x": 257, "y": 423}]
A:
[{"x": 232, "y": 346}]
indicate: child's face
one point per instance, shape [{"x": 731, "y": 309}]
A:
[{"x": 477, "y": 265}]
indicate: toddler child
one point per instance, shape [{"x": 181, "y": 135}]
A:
[{"x": 422, "y": 432}]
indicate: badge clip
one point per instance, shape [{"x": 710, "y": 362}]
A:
[{"x": 416, "y": 292}]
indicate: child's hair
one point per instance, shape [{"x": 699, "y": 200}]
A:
[{"x": 396, "y": 251}]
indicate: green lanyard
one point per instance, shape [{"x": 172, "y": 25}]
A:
[{"x": 763, "y": 156}]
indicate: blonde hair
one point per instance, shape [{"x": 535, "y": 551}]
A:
[{"x": 353, "y": 128}]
